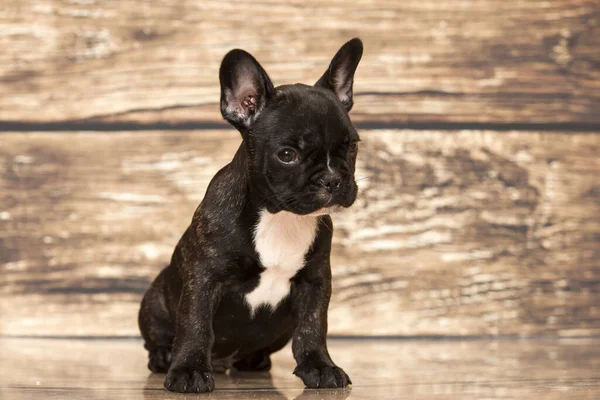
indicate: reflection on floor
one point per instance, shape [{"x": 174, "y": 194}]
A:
[{"x": 380, "y": 369}]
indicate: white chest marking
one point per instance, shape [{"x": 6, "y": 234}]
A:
[{"x": 281, "y": 241}]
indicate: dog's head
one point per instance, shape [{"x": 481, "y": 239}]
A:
[{"x": 300, "y": 143}]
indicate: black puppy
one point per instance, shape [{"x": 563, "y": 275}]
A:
[{"x": 252, "y": 270}]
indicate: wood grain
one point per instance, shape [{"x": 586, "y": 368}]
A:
[
  {"x": 380, "y": 369},
  {"x": 455, "y": 233},
  {"x": 501, "y": 61}
]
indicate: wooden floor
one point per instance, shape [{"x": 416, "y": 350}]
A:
[{"x": 380, "y": 369}]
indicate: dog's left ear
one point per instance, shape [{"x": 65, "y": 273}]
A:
[
  {"x": 245, "y": 88},
  {"x": 339, "y": 77}
]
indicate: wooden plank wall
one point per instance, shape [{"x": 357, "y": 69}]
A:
[
  {"x": 485, "y": 221},
  {"x": 425, "y": 60}
]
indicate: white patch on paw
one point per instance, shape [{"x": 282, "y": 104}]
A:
[{"x": 281, "y": 241}]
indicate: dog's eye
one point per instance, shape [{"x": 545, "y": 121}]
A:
[
  {"x": 287, "y": 156},
  {"x": 353, "y": 148}
]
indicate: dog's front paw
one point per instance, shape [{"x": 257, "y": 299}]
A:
[
  {"x": 322, "y": 376},
  {"x": 186, "y": 380}
]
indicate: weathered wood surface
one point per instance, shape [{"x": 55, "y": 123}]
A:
[
  {"x": 35, "y": 369},
  {"x": 534, "y": 61},
  {"x": 455, "y": 233}
]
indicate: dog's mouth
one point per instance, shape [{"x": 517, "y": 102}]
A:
[
  {"x": 315, "y": 203},
  {"x": 318, "y": 206},
  {"x": 323, "y": 204}
]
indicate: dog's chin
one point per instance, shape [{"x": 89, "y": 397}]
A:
[
  {"x": 326, "y": 207},
  {"x": 319, "y": 206},
  {"x": 308, "y": 210},
  {"x": 326, "y": 211}
]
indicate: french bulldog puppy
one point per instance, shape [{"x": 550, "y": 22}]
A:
[{"x": 252, "y": 270}]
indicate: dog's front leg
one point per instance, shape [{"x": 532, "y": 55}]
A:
[
  {"x": 309, "y": 343},
  {"x": 191, "y": 370}
]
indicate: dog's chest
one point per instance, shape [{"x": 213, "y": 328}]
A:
[{"x": 281, "y": 241}]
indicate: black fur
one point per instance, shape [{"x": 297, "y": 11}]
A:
[{"x": 193, "y": 318}]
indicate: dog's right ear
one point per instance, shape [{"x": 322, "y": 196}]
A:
[{"x": 245, "y": 88}]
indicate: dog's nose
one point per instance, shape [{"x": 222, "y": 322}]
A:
[{"x": 331, "y": 181}]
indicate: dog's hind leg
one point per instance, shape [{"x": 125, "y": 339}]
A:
[
  {"x": 156, "y": 326},
  {"x": 260, "y": 360}
]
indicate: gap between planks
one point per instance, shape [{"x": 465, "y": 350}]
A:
[
  {"x": 350, "y": 338},
  {"x": 83, "y": 126}
]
